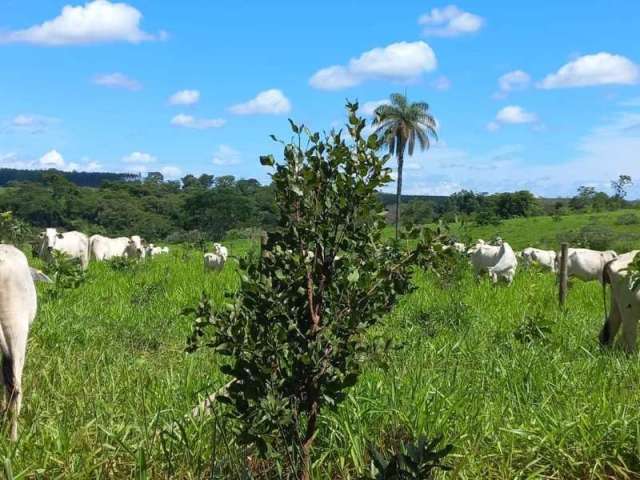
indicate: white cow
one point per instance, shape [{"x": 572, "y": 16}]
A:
[
  {"x": 139, "y": 244},
  {"x": 74, "y": 244},
  {"x": 18, "y": 307},
  {"x": 544, "y": 258},
  {"x": 213, "y": 261},
  {"x": 105, "y": 248},
  {"x": 625, "y": 303},
  {"x": 152, "y": 250},
  {"x": 498, "y": 261},
  {"x": 221, "y": 250},
  {"x": 164, "y": 250},
  {"x": 506, "y": 267},
  {"x": 483, "y": 256},
  {"x": 586, "y": 264}
]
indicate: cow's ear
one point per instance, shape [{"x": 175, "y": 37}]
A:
[{"x": 60, "y": 235}]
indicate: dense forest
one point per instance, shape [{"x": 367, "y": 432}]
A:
[{"x": 208, "y": 207}]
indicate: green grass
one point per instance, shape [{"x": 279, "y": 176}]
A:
[{"x": 106, "y": 373}]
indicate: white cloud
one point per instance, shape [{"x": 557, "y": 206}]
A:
[
  {"x": 188, "y": 121},
  {"x": 99, "y": 21},
  {"x": 441, "y": 83},
  {"x": 450, "y": 21},
  {"x": 117, "y": 80},
  {"x": 511, "y": 115},
  {"x": 402, "y": 61},
  {"x": 226, "y": 155},
  {"x": 369, "y": 108},
  {"x": 598, "y": 69},
  {"x": 185, "y": 97},
  {"x": 171, "y": 172},
  {"x": 30, "y": 123},
  {"x": 268, "y": 102},
  {"x": 511, "y": 81},
  {"x": 139, "y": 157},
  {"x": 52, "y": 159}
]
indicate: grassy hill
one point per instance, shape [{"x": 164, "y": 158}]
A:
[{"x": 546, "y": 232}]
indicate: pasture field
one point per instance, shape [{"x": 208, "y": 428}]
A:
[
  {"x": 520, "y": 388},
  {"x": 543, "y": 231}
]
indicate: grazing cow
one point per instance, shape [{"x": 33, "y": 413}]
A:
[
  {"x": 483, "y": 256},
  {"x": 625, "y": 303},
  {"x": 18, "y": 307},
  {"x": 505, "y": 269},
  {"x": 545, "y": 258},
  {"x": 586, "y": 264},
  {"x": 74, "y": 244},
  {"x": 105, "y": 248},
  {"x": 164, "y": 250},
  {"x": 221, "y": 250},
  {"x": 152, "y": 250},
  {"x": 213, "y": 261},
  {"x": 134, "y": 249},
  {"x": 139, "y": 245}
]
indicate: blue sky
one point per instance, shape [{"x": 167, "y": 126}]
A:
[{"x": 538, "y": 95}]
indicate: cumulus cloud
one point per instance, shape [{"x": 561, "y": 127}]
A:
[
  {"x": 139, "y": 157},
  {"x": 598, "y": 69},
  {"x": 511, "y": 81},
  {"x": 117, "y": 80},
  {"x": 450, "y": 21},
  {"x": 185, "y": 97},
  {"x": 28, "y": 123},
  {"x": 52, "y": 159},
  {"x": 226, "y": 155},
  {"x": 511, "y": 115},
  {"x": 269, "y": 102},
  {"x": 99, "y": 21},
  {"x": 171, "y": 172},
  {"x": 402, "y": 61},
  {"x": 189, "y": 121}
]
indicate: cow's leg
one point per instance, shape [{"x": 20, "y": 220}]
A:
[
  {"x": 611, "y": 324},
  {"x": 12, "y": 366},
  {"x": 629, "y": 331}
]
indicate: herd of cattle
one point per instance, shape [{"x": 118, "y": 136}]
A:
[{"x": 18, "y": 300}]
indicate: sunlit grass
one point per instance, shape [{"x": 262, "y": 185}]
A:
[{"x": 106, "y": 372}]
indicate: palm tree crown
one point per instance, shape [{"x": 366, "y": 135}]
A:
[{"x": 400, "y": 124}]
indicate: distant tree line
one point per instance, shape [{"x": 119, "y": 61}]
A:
[
  {"x": 191, "y": 209},
  {"x": 82, "y": 179}
]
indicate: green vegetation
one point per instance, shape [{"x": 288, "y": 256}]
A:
[{"x": 107, "y": 383}]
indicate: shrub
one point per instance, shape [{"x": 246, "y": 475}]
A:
[
  {"x": 415, "y": 461},
  {"x": 123, "y": 264},
  {"x": 66, "y": 272},
  {"x": 594, "y": 236},
  {"x": 294, "y": 332},
  {"x": 628, "y": 219}
]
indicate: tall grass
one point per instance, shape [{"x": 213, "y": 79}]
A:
[{"x": 106, "y": 374}]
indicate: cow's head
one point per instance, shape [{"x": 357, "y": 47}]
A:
[
  {"x": 135, "y": 249},
  {"x": 49, "y": 237}
]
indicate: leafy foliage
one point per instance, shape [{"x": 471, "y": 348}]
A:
[
  {"x": 294, "y": 333},
  {"x": 12, "y": 229},
  {"x": 415, "y": 461},
  {"x": 66, "y": 272}
]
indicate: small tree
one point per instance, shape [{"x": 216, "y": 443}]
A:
[{"x": 294, "y": 333}]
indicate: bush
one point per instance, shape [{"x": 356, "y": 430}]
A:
[
  {"x": 595, "y": 236},
  {"x": 628, "y": 219},
  {"x": 66, "y": 272},
  {"x": 415, "y": 461}
]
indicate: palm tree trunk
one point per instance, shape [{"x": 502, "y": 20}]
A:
[{"x": 399, "y": 189}]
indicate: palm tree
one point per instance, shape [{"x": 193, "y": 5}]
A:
[{"x": 400, "y": 123}]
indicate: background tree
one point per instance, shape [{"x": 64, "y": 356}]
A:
[{"x": 401, "y": 124}]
